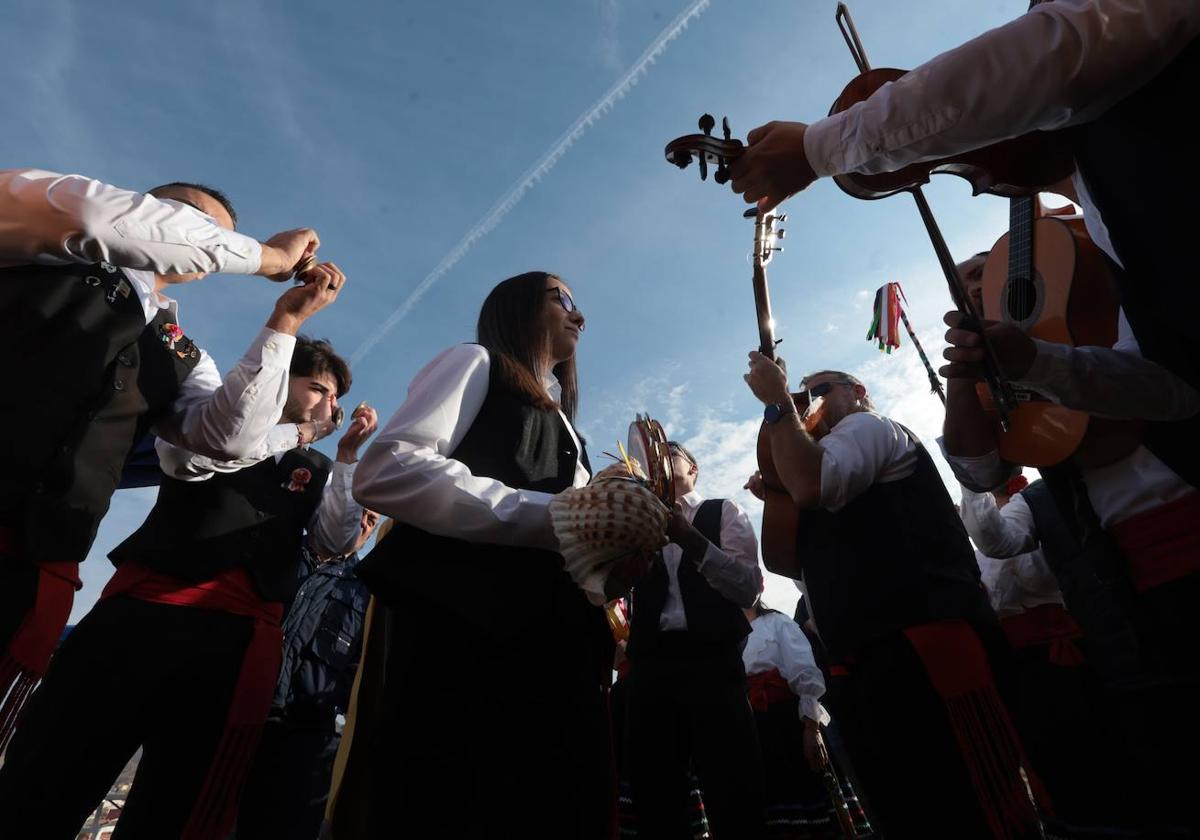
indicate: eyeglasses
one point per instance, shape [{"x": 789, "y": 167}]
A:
[
  {"x": 566, "y": 301},
  {"x": 823, "y": 388},
  {"x": 675, "y": 450}
]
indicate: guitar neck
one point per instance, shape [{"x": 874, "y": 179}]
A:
[
  {"x": 762, "y": 304},
  {"x": 1020, "y": 241}
]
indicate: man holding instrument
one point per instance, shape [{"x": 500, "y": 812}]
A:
[
  {"x": 83, "y": 271},
  {"x": 896, "y": 598}
]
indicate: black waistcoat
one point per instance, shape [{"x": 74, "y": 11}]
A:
[
  {"x": 1135, "y": 161},
  {"x": 894, "y": 557},
  {"x": 253, "y": 518},
  {"x": 504, "y": 591},
  {"x": 1090, "y": 571},
  {"x": 712, "y": 619},
  {"x": 93, "y": 378}
]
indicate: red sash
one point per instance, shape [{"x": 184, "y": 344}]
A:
[
  {"x": 766, "y": 688},
  {"x": 1162, "y": 544},
  {"x": 233, "y": 592},
  {"x": 23, "y": 662},
  {"x": 1046, "y": 624},
  {"x": 958, "y": 668}
]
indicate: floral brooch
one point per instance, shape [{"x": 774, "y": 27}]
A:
[
  {"x": 172, "y": 336},
  {"x": 299, "y": 480}
]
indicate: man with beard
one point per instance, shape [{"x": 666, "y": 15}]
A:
[
  {"x": 195, "y": 608},
  {"x": 891, "y": 579}
]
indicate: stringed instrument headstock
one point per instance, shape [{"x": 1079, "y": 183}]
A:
[{"x": 706, "y": 149}]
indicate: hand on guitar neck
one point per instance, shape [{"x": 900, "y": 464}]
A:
[{"x": 1014, "y": 350}]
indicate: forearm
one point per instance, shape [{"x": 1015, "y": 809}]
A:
[
  {"x": 797, "y": 459},
  {"x": 188, "y": 466},
  {"x": 967, "y": 430}
]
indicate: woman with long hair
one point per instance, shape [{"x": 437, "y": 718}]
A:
[{"x": 496, "y": 664}]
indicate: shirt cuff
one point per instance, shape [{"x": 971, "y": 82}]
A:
[
  {"x": 822, "y": 145},
  {"x": 240, "y": 254},
  {"x": 1047, "y": 362},
  {"x": 273, "y": 348}
]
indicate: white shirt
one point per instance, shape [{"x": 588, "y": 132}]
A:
[
  {"x": 58, "y": 219},
  {"x": 1114, "y": 382},
  {"x": 775, "y": 641},
  {"x": 50, "y": 218},
  {"x": 864, "y": 448},
  {"x": 732, "y": 569},
  {"x": 1060, "y": 64},
  {"x": 1011, "y": 564},
  {"x": 334, "y": 526},
  {"x": 409, "y": 472}
]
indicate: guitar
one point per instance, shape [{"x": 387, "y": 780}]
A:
[{"x": 1048, "y": 278}]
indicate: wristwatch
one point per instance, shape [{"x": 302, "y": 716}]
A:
[{"x": 774, "y": 411}]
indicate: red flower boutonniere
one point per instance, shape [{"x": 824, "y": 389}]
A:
[
  {"x": 170, "y": 334},
  {"x": 300, "y": 479}
]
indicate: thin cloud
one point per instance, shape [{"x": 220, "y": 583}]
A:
[{"x": 540, "y": 168}]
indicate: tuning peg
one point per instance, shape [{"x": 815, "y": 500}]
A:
[
  {"x": 725, "y": 127},
  {"x": 781, "y": 218},
  {"x": 703, "y": 159},
  {"x": 780, "y": 234},
  {"x": 707, "y": 123},
  {"x": 722, "y": 173},
  {"x": 681, "y": 159}
]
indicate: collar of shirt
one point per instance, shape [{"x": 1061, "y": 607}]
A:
[
  {"x": 553, "y": 387},
  {"x": 152, "y": 301},
  {"x": 691, "y": 501}
]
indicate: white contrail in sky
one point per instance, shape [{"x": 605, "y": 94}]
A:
[{"x": 535, "y": 172}]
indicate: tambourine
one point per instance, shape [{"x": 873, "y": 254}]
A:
[{"x": 647, "y": 445}]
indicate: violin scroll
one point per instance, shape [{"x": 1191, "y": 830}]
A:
[{"x": 706, "y": 149}]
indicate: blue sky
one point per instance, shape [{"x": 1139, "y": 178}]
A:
[{"x": 396, "y": 129}]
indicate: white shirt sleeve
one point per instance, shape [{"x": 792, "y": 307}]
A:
[
  {"x": 181, "y": 464},
  {"x": 797, "y": 666},
  {"x": 862, "y": 449},
  {"x": 1059, "y": 64},
  {"x": 1114, "y": 382},
  {"x": 232, "y": 420},
  {"x": 409, "y": 472},
  {"x": 335, "y": 524},
  {"x": 998, "y": 532},
  {"x": 979, "y": 473},
  {"x": 733, "y": 569},
  {"x": 46, "y": 217}
]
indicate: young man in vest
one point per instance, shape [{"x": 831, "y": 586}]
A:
[
  {"x": 194, "y": 609},
  {"x": 83, "y": 271},
  {"x": 895, "y": 594},
  {"x": 687, "y": 695},
  {"x": 288, "y": 785}
]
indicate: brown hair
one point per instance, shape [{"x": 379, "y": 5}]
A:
[
  {"x": 165, "y": 190},
  {"x": 512, "y": 328},
  {"x": 313, "y": 357},
  {"x": 844, "y": 377}
]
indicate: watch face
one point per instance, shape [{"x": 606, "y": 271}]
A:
[{"x": 771, "y": 413}]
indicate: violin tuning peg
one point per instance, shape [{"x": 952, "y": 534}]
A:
[
  {"x": 681, "y": 159},
  {"x": 703, "y": 159},
  {"x": 780, "y": 234},
  {"x": 707, "y": 123},
  {"x": 725, "y": 127},
  {"x": 781, "y": 218},
  {"x": 722, "y": 174}
]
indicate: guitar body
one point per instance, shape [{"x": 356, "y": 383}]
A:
[
  {"x": 780, "y": 515},
  {"x": 1069, "y": 298}
]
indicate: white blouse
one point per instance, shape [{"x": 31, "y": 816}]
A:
[{"x": 775, "y": 641}]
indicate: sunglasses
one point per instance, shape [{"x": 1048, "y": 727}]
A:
[{"x": 825, "y": 387}]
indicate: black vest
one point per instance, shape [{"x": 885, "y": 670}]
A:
[
  {"x": 253, "y": 518},
  {"x": 505, "y": 591},
  {"x": 895, "y": 557},
  {"x": 1135, "y": 161},
  {"x": 712, "y": 619},
  {"x": 1090, "y": 571},
  {"x": 95, "y": 377}
]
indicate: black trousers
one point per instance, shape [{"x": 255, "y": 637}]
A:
[
  {"x": 131, "y": 674},
  {"x": 18, "y": 591},
  {"x": 692, "y": 712},
  {"x": 487, "y": 737},
  {"x": 288, "y": 785},
  {"x": 898, "y": 734}
]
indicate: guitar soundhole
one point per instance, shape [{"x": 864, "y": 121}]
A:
[{"x": 1023, "y": 300}]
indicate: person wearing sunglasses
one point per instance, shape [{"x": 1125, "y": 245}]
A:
[
  {"x": 494, "y": 702},
  {"x": 687, "y": 698},
  {"x": 895, "y": 593}
]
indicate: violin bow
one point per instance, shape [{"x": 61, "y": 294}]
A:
[{"x": 1002, "y": 393}]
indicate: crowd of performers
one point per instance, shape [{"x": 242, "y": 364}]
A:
[{"x": 1043, "y": 682}]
